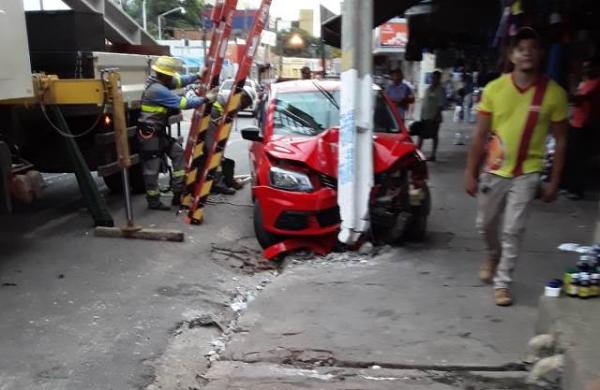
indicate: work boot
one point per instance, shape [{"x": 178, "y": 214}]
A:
[
  {"x": 219, "y": 188},
  {"x": 176, "y": 201},
  {"x": 503, "y": 297},
  {"x": 154, "y": 203},
  {"x": 488, "y": 270}
]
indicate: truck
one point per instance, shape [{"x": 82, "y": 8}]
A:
[{"x": 76, "y": 45}]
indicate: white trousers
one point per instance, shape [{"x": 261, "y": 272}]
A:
[{"x": 501, "y": 219}]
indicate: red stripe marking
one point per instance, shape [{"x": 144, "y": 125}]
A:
[{"x": 532, "y": 118}]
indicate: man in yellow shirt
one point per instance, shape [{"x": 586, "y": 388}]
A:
[{"x": 506, "y": 157}]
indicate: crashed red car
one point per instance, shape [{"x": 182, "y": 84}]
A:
[{"x": 294, "y": 160}]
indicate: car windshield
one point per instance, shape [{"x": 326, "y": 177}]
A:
[{"x": 310, "y": 113}]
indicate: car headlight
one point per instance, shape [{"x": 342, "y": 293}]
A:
[{"x": 289, "y": 180}]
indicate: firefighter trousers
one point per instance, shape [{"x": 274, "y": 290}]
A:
[{"x": 153, "y": 150}]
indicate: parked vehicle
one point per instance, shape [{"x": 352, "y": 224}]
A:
[
  {"x": 225, "y": 90},
  {"x": 294, "y": 167}
]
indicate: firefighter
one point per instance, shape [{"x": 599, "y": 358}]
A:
[
  {"x": 158, "y": 103},
  {"x": 224, "y": 182}
]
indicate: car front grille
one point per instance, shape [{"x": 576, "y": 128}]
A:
[{"x": 329, "y": 217}]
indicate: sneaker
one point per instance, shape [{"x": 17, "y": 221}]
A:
[
  {"x": 488, "y": 270},
  {"x": 503, "y": 297}
]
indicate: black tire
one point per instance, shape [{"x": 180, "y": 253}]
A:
[
  {"x": 416, "y": 227},
  {"x": 264, "y": 237},
  {"x": 136, "y": 180}
]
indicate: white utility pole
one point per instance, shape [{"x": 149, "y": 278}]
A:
[
  {"x": 144, "y": 17},
  {"x": 355, "y": 147}
]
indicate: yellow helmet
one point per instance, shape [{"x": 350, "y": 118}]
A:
[{"x": 165, "y": 65}]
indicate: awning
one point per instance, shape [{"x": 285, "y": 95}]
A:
[
  {"x": 433, "y": 24},
  {"x": 384, "y": 10}
]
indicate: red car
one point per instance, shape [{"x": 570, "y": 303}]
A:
[{"x": 294, "y": 167}]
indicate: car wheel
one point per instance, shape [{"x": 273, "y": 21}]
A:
[
  {"x": 136, "y": 180},
  {"x": 264, "y": 237},
  {"x": 416, "y": 226}
]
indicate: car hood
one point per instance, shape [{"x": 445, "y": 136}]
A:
[{"x": 320, "y": 152}]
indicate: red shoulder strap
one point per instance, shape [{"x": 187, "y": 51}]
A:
[{"x": 532, "y": 119}]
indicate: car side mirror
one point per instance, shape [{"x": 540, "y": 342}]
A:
[{"x": 252, "y": 133}]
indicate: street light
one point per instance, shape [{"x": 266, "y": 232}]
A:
[
  {"x": 296, "y": 41},
  {"x": 180, "y": 9}
]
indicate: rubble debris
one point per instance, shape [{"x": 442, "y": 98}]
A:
[
  {"x": 547, "y": 371},
  {"x": 539, "y": 347},
  {"x": 205, "y": 320}
]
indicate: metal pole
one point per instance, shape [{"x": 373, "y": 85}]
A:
[
  {"x": 144, "y": 16},
  {"x": 159, "y": 28},
  {"x": 128, "y": 206},
  {"x": 355, "y": 170}
]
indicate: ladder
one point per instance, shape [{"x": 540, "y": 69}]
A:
[
  {"x": 222, "y": 18},
  {"x": 204, "y": 181}
]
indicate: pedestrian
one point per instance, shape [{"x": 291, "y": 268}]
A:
[
  {"x": 159, "y": 102},
  {"x": 515, "y": 114},
  {"x": 399, "y": 92},
  {"x": 584, "y": 124},
  {"x": 431, "y": 112},
  {"x": 306, "y": 73},
  {"x": 467, "y": 100}
]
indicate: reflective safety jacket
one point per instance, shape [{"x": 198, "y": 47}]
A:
[{"x": 159, "y": 101}]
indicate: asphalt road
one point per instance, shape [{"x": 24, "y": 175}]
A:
[{"x": 80, "y": 312}]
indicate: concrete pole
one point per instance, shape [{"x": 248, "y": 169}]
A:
[
  {"x": 159, "y": 27},
  {"x": 144, "y": 16},
  {"x": 355, "y": 148}
]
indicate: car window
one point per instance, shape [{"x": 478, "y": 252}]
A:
[{"x": 310, "y": 113}]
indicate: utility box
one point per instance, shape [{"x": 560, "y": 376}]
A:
[{"x": 15, "y": 69}]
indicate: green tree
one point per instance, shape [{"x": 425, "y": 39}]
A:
[{"x": 191, "y": 19}]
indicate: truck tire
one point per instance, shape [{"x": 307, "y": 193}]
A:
[
  {"x": 136, "y": 180},
  {"x": 264, "y": 237},
  {"x": 5, "y": 173}
]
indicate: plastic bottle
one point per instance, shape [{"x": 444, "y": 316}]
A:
[
  {"x": 573, "y": 290},
  {"x": 568, "y": 279},
  {"x": 584, "y": 286},
  {"x": 595, "y": 285}
]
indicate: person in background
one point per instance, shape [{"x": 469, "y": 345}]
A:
[
  {"x": 399, "y": 92},
  {"x": 431, "y": 112},
  {"x": 467, "y": 102},
  {"x": 585, "y": 121},
  {"x": 306, "y": 73},
  {"x": 515, "y": 114}
]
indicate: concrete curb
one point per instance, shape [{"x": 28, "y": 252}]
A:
[{"x": 574, "y": 325}]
